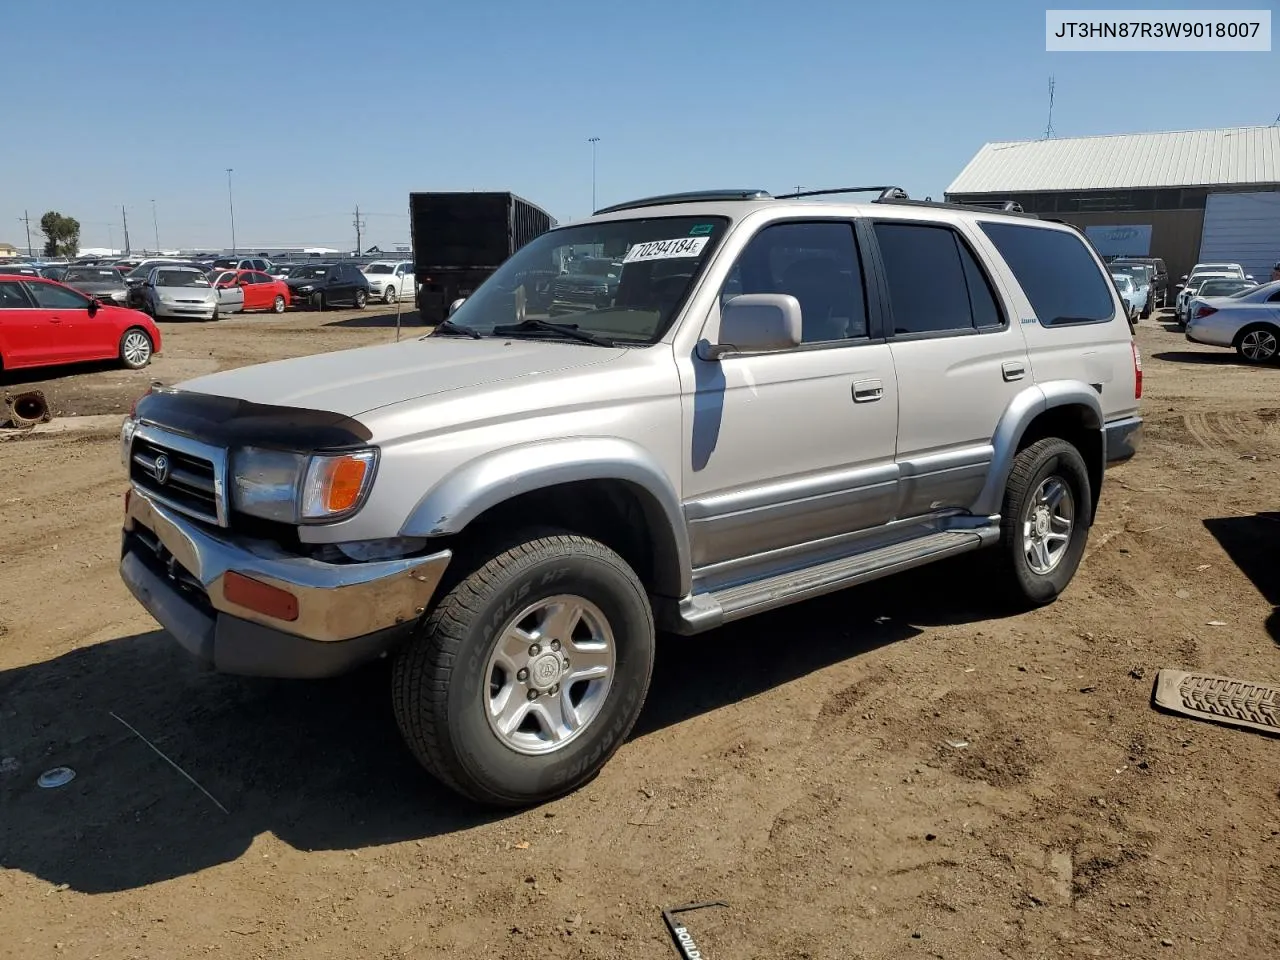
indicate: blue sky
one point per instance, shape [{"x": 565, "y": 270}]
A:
[{"x": 321, "y": 105}]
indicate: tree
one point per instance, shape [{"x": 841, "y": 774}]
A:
[{"x": 62, "y": 234}]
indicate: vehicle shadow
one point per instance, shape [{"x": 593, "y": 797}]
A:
[
  {"x": 1224, "y": 359},
  {"x": 1250, "y": 542},
  {"x": 320, "y": 764},
  {"x": 35, "y": 376},
  {"x": 408, "y": 318}
]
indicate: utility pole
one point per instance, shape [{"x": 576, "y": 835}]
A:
[
  {"x": 26, "y": 219},
  {"x": 359, "y": 225},
  {"x": 155, "y": 223},
  {"x": 593, "y": 141},
  {"x": 124, "y": 217},
  {"x": 232, "y": 205}
]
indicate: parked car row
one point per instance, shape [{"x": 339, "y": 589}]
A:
[
  {"x": 1238, "y": 314},
  {"x": 1189, "y": 288}
]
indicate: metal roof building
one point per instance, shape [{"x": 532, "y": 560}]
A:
[{"x": 1185, "y": 196}]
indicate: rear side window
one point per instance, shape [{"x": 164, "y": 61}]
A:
[
  {"x": 935, "y": 285},
  {"x": 12, "y": 295},
  {"x": 1056, "y": 272}
]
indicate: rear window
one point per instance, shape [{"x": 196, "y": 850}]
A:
[{"x": 1056, "y": 272}]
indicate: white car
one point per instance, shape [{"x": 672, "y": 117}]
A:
[
  {"x": 1199, "y": 273},
  {"x": 1133, "y": 300},
  {"x": 179, "y": 293},
  {"x": 1248, "y": 321},
  {"x": 391, "y": 280},
  {"x": 1141, "y": 275}
]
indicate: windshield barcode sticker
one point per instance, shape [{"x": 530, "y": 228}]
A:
[{"x": 666, "y": 249}]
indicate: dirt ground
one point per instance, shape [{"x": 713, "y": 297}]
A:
[{"x": 902, "y": 770}]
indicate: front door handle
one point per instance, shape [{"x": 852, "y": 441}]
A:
[
  {"x": 1013, "y": 370},
  {"x": 867, "y": 391}
]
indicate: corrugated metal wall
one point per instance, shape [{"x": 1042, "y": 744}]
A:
[{"x": 1243, "y": 228}]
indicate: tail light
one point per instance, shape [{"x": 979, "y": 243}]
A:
[
  {"x": 1204, "y": 310},
  {"x": 1137, "y": 372}
]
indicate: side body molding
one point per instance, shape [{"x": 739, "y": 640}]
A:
[
  {"x": 461, "y": 496},
  {"x": 1024, "y": 408}
]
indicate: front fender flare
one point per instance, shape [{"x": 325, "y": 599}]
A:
[
  {"x": 1022, "y": 410},
  {"x": 491, "y": 479}
]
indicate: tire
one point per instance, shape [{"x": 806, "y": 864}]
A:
[
  {"x": 317, "y": 301},
  {"x": 1034, "y": 472},
  {"x": 277, "y": 305},
  {"x": 1258, "y": 343},
  {"x": 136, "y": 348},
  {"x": 445, "y": 677},
  {"x": 359, "y": 299},
  {"x": 389, "y": 294}
]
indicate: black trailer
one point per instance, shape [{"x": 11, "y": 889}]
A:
[{"x": 461, "y": 238}]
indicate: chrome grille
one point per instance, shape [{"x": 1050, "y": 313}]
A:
[{"x": 180, "y": 473}]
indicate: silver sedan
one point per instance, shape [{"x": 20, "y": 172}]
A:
[
  {"x": 1248, "y": 321},
  {"x": 179, "y": 293}
]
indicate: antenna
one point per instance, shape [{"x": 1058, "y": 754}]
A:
[{"x": 1048, "y": 130}]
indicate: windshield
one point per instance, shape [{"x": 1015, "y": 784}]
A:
[
  {"x": 308, "y": 273},
  {"x": 94, "y": 275},
  {"x": 649, "y": 265},
  {"x": 379, "y": 268},
  {"x": 1138, "y": 272},
  {"x": 1122, "y": 281},
  {"x": 181, "y": 278},
  {"x": 224, "y": 262}
]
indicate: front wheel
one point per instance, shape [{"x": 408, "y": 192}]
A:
[
  {"x": 360, "y": 299},
  {"x": 529, "y": 674},
  {"x": 1258, "y": 344},
  {"x": 277, "y": 305},
  {"x": 389, "y": 294},
  {"x": 135, "y": 348},
  {"x": 1044, "y": 525},
  {"x": 317, "y": 301}
]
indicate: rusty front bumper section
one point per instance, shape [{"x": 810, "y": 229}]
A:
[{"x": 345, "y": 613}]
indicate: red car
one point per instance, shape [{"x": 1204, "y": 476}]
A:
[
  {"x": 261, "y": 290},
  {"x": 44, "y": 323}
]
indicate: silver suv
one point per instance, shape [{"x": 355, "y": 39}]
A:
[{"x": 779, "y": 398}]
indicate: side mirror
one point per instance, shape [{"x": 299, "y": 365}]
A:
[
  {"x": 755, "y": 323},
  {"x": 453, "y": 307},
  {"x": 1248, "y": 276},
  {"x": 92, "y": 307},
  {"x": 1179, "y": 286},
  {"x": 1184, "y": 276}
]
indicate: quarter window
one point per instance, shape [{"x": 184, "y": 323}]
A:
[
  {"x": 935, "y": 284},
  {"x": 1054, "y": 268},
  {"x": 818, "y": 264}
]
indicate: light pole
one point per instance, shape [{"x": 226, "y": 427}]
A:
[
  {"x": 155, "y": 223},
  {"x": 231, "y": 203},
  {"x": 593, "y": 141}
]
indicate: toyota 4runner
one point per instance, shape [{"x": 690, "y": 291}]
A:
[{"x": 780, "y": 398}]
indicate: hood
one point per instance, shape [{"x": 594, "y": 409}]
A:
[
  {"x": 187, "y": 293},
  {"x": 351, "y": 382},
  {"x": 93, "y": 289}
]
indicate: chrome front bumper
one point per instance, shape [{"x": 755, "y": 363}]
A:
[{"x": 177, "y": 568}]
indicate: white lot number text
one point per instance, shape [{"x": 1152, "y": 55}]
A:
[{"x": 666, "y": 249}]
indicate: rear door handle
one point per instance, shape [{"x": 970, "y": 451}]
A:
[
  {"x": 1013, "y": 370},
  {"x": 867, "y": 391}
]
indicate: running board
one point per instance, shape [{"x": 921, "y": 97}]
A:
[{"x": 706, "y": 611}]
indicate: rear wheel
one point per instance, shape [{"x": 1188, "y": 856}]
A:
[
  {"x": 277, "y": 305},
  {"x": 135, "y": 348},
  {"x": 1045, "y": 520},
  {"x": 530, "y": 673},
  {"x": 1258, "y": 344},
  {"x": 317, "y": 301}
]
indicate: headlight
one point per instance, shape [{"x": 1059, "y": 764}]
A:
[
  {"x": 297, "y": 488},
  {"x": 306, "y": 289}
]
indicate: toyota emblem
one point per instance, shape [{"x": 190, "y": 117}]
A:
[{"x": 161, "y": 469}]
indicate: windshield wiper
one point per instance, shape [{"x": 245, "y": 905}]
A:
[
  {"x": 534, "y": 325},
  {"x": 448, "y": 326}
]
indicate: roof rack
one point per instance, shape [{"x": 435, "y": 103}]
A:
[
  {"x": 885, "y": 193},
  {"x": 1011, "y": 207},
  {"x": 693, "y": 196}
]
